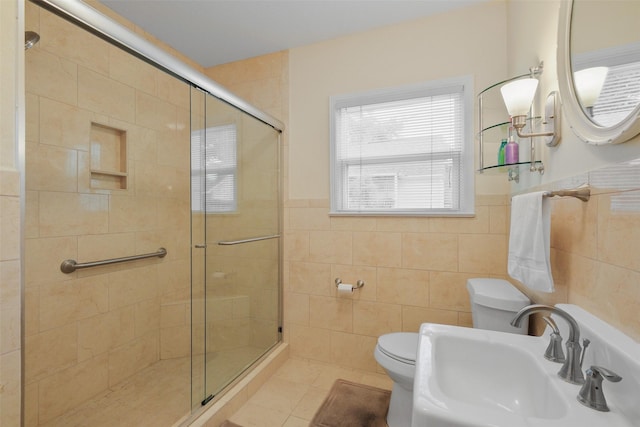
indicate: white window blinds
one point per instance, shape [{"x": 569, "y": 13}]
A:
[
  {"x": 214, "y": 169},
  {"x": 402, "y": 151}
]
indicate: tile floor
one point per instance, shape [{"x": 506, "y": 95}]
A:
[{"x": 292, "y": 395}]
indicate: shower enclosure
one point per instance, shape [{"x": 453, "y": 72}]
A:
[{"x": 125, "y": 157}]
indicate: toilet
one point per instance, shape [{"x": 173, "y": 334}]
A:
[{"x": 494, "y": 302}]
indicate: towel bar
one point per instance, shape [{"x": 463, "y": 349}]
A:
[{"x": 583, "y": 193}]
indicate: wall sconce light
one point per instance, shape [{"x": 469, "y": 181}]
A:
[
  {"x": 588, "y": 84},
  {"x": 518, "y": 96}
]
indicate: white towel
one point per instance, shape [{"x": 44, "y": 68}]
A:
[{"x": 529, "y": 241}]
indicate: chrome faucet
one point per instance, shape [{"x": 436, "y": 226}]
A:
[{"x": 571, "y": 370}]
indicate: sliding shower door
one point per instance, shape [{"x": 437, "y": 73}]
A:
[{"x": 235, "y": 193}]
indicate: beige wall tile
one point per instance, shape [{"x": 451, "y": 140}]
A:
[
  {"x": 64, "y": 125},
  {"x": 131, "y": 71},
  {"x": 105, "y": 246},
  {"x": 51, "y": 76},
  {"x": 51, "y": 351},
  {"x": 483, "y": 253},
  {"x": 579, "y": 230},
  {"x": 430, "y": 251},
  {"x": 73, "y": 43},
  {"x": 330, "y": 246},
  {"x": 101, "y": 333},
  {"x": 618, "y": 235},
  {"x": 499, "y": 219},
  {"x": 310, "y": 278},
  {"x": 403, "y": 224},
  {"x": 465, "y": 319},
  {"x": 377, "y": 249},
  {"x": 133, "y": 357},
  {"x": 147, "y": 317},
  {"x": 67, "y": 389},
  {"x": 346, "y": 223},
  {"x": 72, "y": 214},
  {"x": 375, "y": 319},
  {"x": 132, "y": 213},
  {"x": 413, "y": 317},
  {"x": 354, "y": 351},
  {"x": 309, "y": 219},
  {"x": 133, "y": 285},
  {"x": 310, "y": 343},
  {"x": 44, "y": 256},
  {"x": 155, "y": 113},
  {"x": 62, "y": 303},
  {"x": 296, "y": 308},
  {"x": 172, "y": 90},
  {"x": 51, "y": 168},
  {"x": 477, "y": 224},
  {"x": 331, "y": 313},
  {"x": 178, "y": 314},
  {"x": 449, "y": 291},
  {"x": 99, "y": 94},
  {"x": 296, "y": 245},
  {"x": 403, "y": 286}
]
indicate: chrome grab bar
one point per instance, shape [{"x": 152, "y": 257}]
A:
[
  {"x": 253, "y": 239},
  {"x": 70, "y": 265}
]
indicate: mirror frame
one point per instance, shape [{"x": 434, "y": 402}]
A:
[{"x": 578, "y": 121}]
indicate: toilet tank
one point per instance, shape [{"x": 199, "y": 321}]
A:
[{"x": 494, "y": 303}]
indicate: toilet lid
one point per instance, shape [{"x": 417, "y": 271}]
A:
[{"x": 402, "y": 346}]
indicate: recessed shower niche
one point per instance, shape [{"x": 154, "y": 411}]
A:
[{"x": 108, "y": 157}]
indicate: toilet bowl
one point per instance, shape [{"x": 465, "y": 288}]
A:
[
  {"x": 494, "y": 303},
  {"x": 396, "y": 353}
]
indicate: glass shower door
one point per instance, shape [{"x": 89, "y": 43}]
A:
[{"x": 236, "y": 242}]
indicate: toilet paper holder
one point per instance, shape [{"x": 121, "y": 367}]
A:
[{"x": 358, "y": 285}]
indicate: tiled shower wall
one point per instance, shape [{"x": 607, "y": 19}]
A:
[{"x": 91, "y": 329}]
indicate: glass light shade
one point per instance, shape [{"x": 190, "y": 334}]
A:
[
  {"x": 588, "y": 84},
  {"x": 518, "y": 96}
]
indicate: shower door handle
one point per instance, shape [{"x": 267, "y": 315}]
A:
[{"x": 252, "y": 239}]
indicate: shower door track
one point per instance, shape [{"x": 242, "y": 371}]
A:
[{"x": 105, "y": 27}]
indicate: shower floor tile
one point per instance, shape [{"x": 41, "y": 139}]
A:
[{"x": 157, "y": 396}]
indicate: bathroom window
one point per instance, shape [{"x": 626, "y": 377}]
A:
[
  {"x": 214, "y": 169},
  {"x": 404, "y": 151}
]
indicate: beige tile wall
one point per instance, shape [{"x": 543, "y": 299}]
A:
[
  {"x": 415, "y": 271},
  {"x": 89, "y": 330},
  {"x": 595, "y": 247}
]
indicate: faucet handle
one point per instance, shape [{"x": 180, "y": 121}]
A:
[
  {"x": 591, "y": 394},
  {"x": 554, "y": 351},
  {"x": 606, "y": 373}
]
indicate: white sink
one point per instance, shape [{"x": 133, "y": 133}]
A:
[{"x": 472, "y": 377}]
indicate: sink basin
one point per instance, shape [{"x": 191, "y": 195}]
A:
[
  {"x": 472, "y": 377},
  {"x": 483, "y": 372}
]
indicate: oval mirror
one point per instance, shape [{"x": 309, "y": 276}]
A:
[{"x": 599, "y": 68}]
